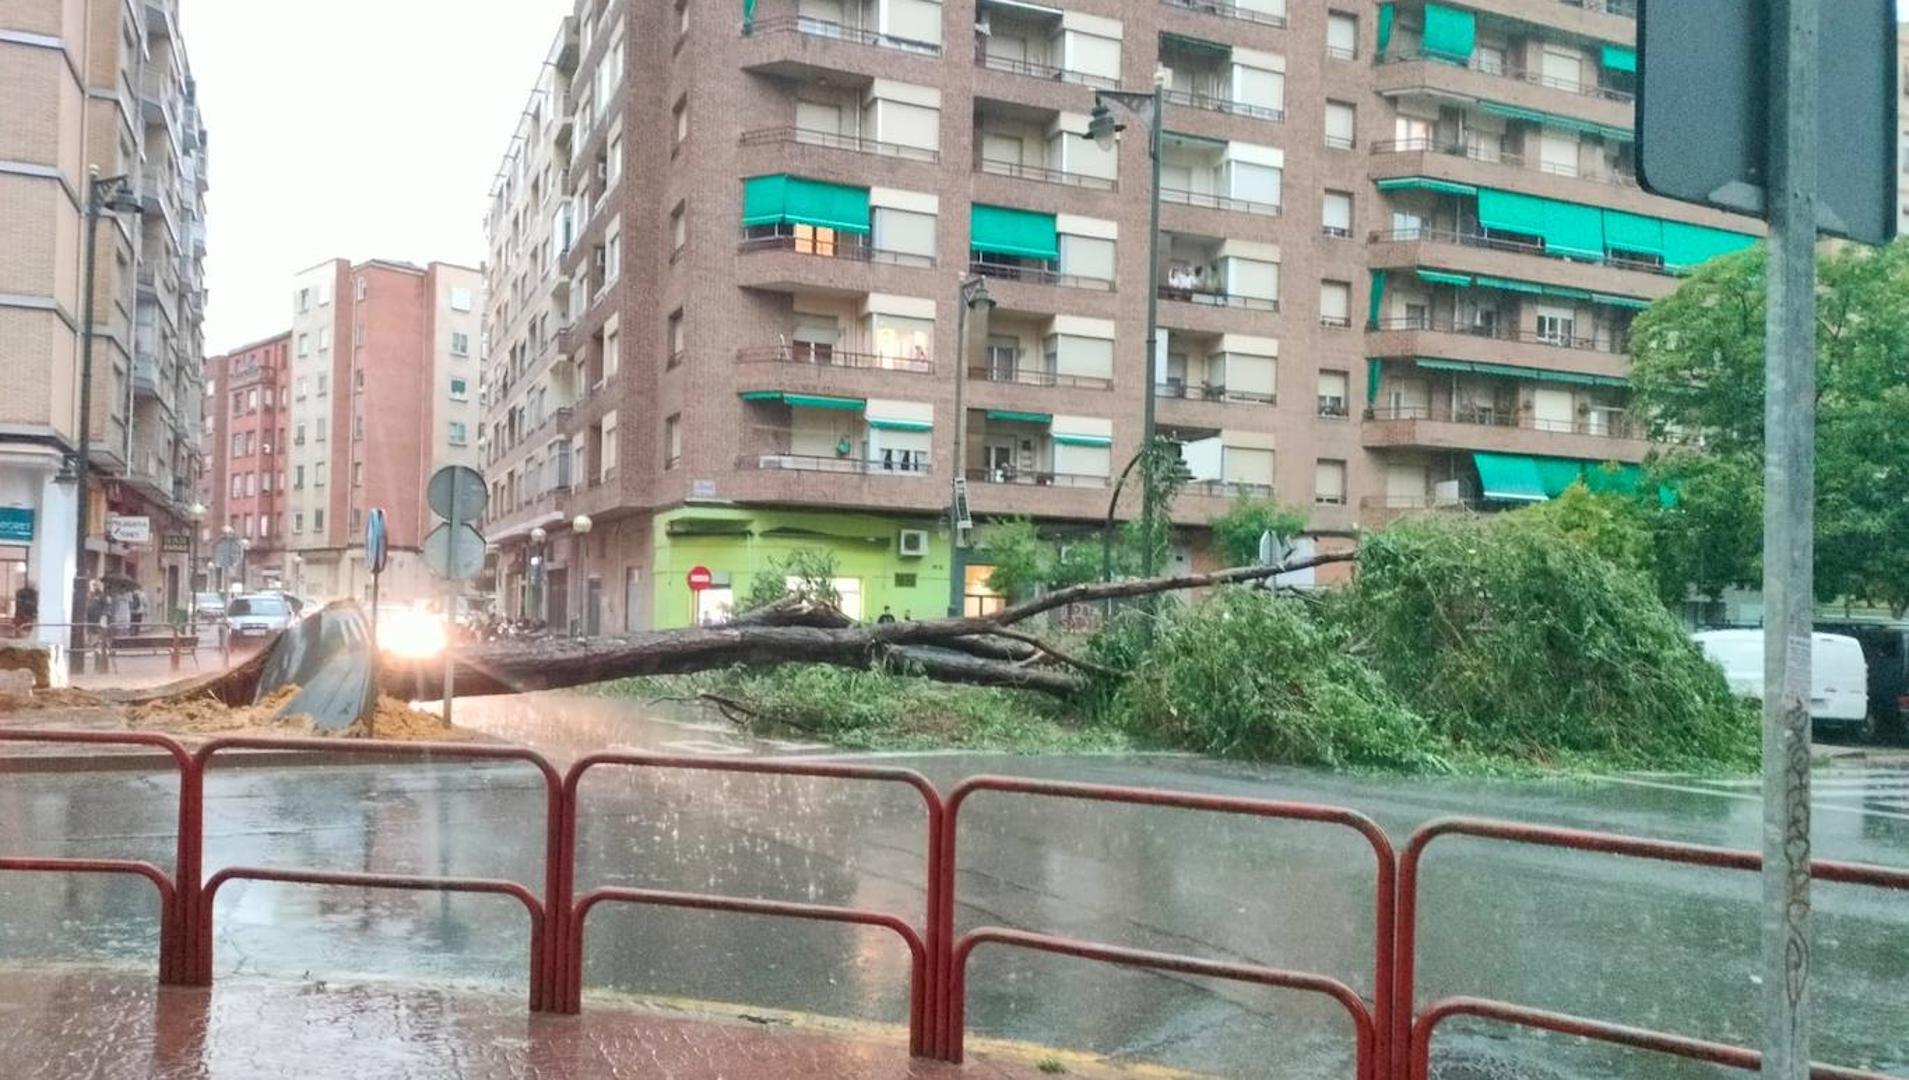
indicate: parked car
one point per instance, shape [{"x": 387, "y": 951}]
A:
[
  {"x": 1886, "y": 649},
  {"x": 1839, "y": 676},
  {"x": 258, "y": 615},
  {"x": 208, "y": 605}
]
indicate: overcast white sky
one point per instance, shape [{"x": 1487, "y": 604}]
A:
[{"x": 360, "y": 128}]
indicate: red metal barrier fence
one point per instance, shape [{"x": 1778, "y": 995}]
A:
[{"x": 1392, "y": 1038}]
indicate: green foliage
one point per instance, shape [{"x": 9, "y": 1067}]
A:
[
  {"x": 1517, "y": 641},
  {"x": 1697, "y": 367},
  {"x": 1236, "y": 533},
  {"x": 813, "y": 571},
  {"x": 1247, "y": 675},
  {"x": 1025, "y": 562}
]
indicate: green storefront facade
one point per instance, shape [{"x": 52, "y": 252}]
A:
[{"x": 735, "y": 544}]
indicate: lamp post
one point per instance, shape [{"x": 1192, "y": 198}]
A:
[
  {"x": 297, "y": 563},
  {"x": 976, "y": 309},
  {"x": 225, "y": 572},
  {"x": 1103, "y": 129},
  {"x": 245, "y": 565},
  {"x": 103, "y": 193},
  {"x": 535, "y": 570},
  {"x": 195, "y": 512},
  {"x": 581, "y": 525}
]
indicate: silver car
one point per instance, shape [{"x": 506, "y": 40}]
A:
[{"x": 258, "y": 615}]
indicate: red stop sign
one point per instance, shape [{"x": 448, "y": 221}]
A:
[{"x": 700, "y": 578}]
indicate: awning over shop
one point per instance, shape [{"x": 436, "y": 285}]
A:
[
  {"x": 1003, "y": 230},
  {"x": 806, "y": 401},
  {"x": 780, "y": 198}
]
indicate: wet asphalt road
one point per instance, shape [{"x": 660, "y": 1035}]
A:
[{"x": 1659, "y": 947}]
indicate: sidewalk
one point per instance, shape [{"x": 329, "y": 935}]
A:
[{"x": 63, "y": 1023}]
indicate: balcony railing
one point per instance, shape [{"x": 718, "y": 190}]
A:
[
  {"x": 1034, "y": 478},
  {"x": 809, "y": 26},
  {"x": 1524, "y": 75},
  {"x": 1468, "y": 151},
  {"x": 1037, "y": 275},
  {"x": 849, "y": 246},
  {"x": 1193, "y": 99},
  {"x": 775, "y": 461},
  {"x": 1229, "y": 489},
  {"x": 1426, "y": 234},
  {"x": 1228, "y": 11},
  {"x": 813, "y": 355},
  {"x": 1215, "y": 298},
  {"x": 836, "y": 141},
  {"x": 1212, "y": 392},
  {"x": 1497, "y": 331},
  {"x": 1045, "y": 175},
  {"x": 1218, "y": 202},
  {"x": 1034, "y": 377},
  {"x": 1037, "y": 70},
  {"x": 1602, "y": 422}
]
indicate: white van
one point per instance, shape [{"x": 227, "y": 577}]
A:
[{"x": 1839, "y": 676}]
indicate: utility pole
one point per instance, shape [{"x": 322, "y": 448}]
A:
[
  {"x": 1789, "y": 463},
  {"x": 972, "y": 321}
]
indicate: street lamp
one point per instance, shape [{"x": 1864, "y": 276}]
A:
[
  {"x": 298, "y": 573},
  {"x": 245, "y": 565},
  {"x": 103, "y": 194},
  {"x": 1104, "y": 131},
  {"x": 581, "y": 525},
  {"x": 976, "y": 308},
  {"x": 196, "y": 512},
  {"x": 536, "y": 568}
]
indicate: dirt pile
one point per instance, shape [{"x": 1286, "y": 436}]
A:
[{"x": 208, "y": 716}]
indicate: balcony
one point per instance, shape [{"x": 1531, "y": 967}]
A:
[
  {"x": 812, "y": 354},
  {"x": 1505, "y": 90},
  {"x": 1603, "y": 433},
  {"x": 1177, "y": 390},
  {"x": 1421, "y": 157},
  {"x": 1213, "y": 201},
  {"x": 1524, "y": 75},
  {"x": 1008, "y": 474},
  {"x": 834, "y": 141},
  {"x": 1037, "y": 69},
  {"x": 1410, "y": 327},
  {"x": 1020, "y": 171},
  {"x": 812, "y": 28},
  {"x": 1215, "y": 102},
  {"x": 1479, "y": 253},
  {"x": 1228, "y": 489},
  {"x": 1214, "y": 77},
  {"x": 904, "y": 468},
  {"x": 824, "y": 244},
  {"x": 1229, "y": 11},
  {"x": 146, "y": 378},
  {"x": 1012, "y": 373},
  {"x": 1035, "y": 272},
  {"x": 1212, "y": 296}
]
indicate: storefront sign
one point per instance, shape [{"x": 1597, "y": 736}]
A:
[
  {"x": 175, "y": 543},
  {"x": 16, "y": 525},
  {"x": 129, "y": 529}
]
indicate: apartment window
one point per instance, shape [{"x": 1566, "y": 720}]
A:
[
  {"x": 357, "y": 427},
  {"x": 461, "y": 299},
  {"x": 238, "y": 486},
  {"x": 673, "y": 441},
  {"x": 298, "y": 435},
  {"x": 318, "y": 521},
  {"x": 268, "y": 397},
  {"x": 1558, "y": 152},
  {"x": 324, "y": 338},
  {"x": 298, "y": 521},
  {"x": 903, "y": 231},
  {"x": 460, "y": 390},
  {"x": 678, "y": 230},
  {"x": 324, "y": 383},
  {"x": 1341, "y": 124},
  {"x": 1342, "y": 35},
  {"x": 612, "y": 254},
  {"x": 265, "y": 482},
  {"x": 357, "y": 474},
  {"x": 1329, "y": 483},
  {"x": 1557, "y": 326},
  {"x": 612, "y": 352},
  {"x": 318, "y": 474},
  {"x": 238, "y": 402},
  {"x": 238, "y": 445},
  {"x": 613, "y": 159},
  {"x": 1087, "y": 257},
  {"x": 1335, "y": 217},
  {"x": 251, "y": 484},
  {"x": 674, "y": 339},
  {"x": 359, "y": 289},
  {"x": 304, "y": 344},
  {"x": 460, "y": 343},
  {"x": 457, "y": 431},
  {"x": 298, "y": 478},
  {"x": 357, "y": 521},
  {"x": 304, "y": 300},
  {"x": 318, "y": 433},
  {"x": 608, "y": 454},
  {"x": 301, "y": 387},
  {"x": 1335, "y": 304},
  {"x": 250, "y": 525},
  {"x": 679, "y": 124},
  {"x": 1332, "y": 393}
]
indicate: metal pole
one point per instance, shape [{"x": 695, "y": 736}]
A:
[
  {"x": 1149, "y": 389},
  {"x": 450, "y": 600},
  {"x": 1788, "y": 535},
  {"x": 82, "y": 455},
  {"x": 957, "y": 553}
]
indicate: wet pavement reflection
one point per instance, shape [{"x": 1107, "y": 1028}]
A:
[{"x": 1661, "y": 947}]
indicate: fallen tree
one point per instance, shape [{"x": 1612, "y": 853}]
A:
[{"x": 985, "y": 650}]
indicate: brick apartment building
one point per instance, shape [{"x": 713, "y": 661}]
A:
[
  {"x": 246, "y": 406},
  {"x": 105, "y": 84},
  {"x": 1401, "y": 247},
  {"x": 383, "y": 390}
]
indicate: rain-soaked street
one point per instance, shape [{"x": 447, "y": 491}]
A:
[{"x": 1656, "y": 946}]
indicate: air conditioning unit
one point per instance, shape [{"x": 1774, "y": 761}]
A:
[{"x": 913, "y": 543}]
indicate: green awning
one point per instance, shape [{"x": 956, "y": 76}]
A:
[
  {"x": 1567, "y": 123},
  {"x": 1567, "y": 228},
  {"x": 1386, "y": 15},
  {"x": 1508, "y": 477},
  {"x": 1619, "y": 58},
  {"x": 1690, "y": 245},
  {"x": 1513, "y": 371},
  {"x": 1003, "y": 230},
  {"x": 1426, "y": 183},
  {"x": 1509, "y": 285},
  {"x": 1444, "y": 277},
  {"x": 806, "y": 401},
  {"x": 1633, "y": 232},
  {"x": 748, "y": 15},
  {"x": 1620, "y": 480},
  {"x": 780, "y": 198},
  {"x": 1181, "y": 138},
  {"x": 1450, "y": 33},
  {"x": 1563, "y": 293},
  {"x": 1558, "y": 474},
  {"x": 899, "y": 425},
  {"x": 1373, "y": 369},
  {"x": 1632, "y": 302},
  {"x": 1193, "y": 44},
  {"x": 1375, "y": 301},
  {"x": 1015, "y": 416},
  {"x": 1083, "y": 440}
]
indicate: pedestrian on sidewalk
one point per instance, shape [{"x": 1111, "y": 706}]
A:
[{"x": 26, "y": 606}]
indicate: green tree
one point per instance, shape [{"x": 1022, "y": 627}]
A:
[
  {"x": 807, "y": 574},
  {"x": 1236, "y": 533},
  {"x": 1697, "y": 369}
]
